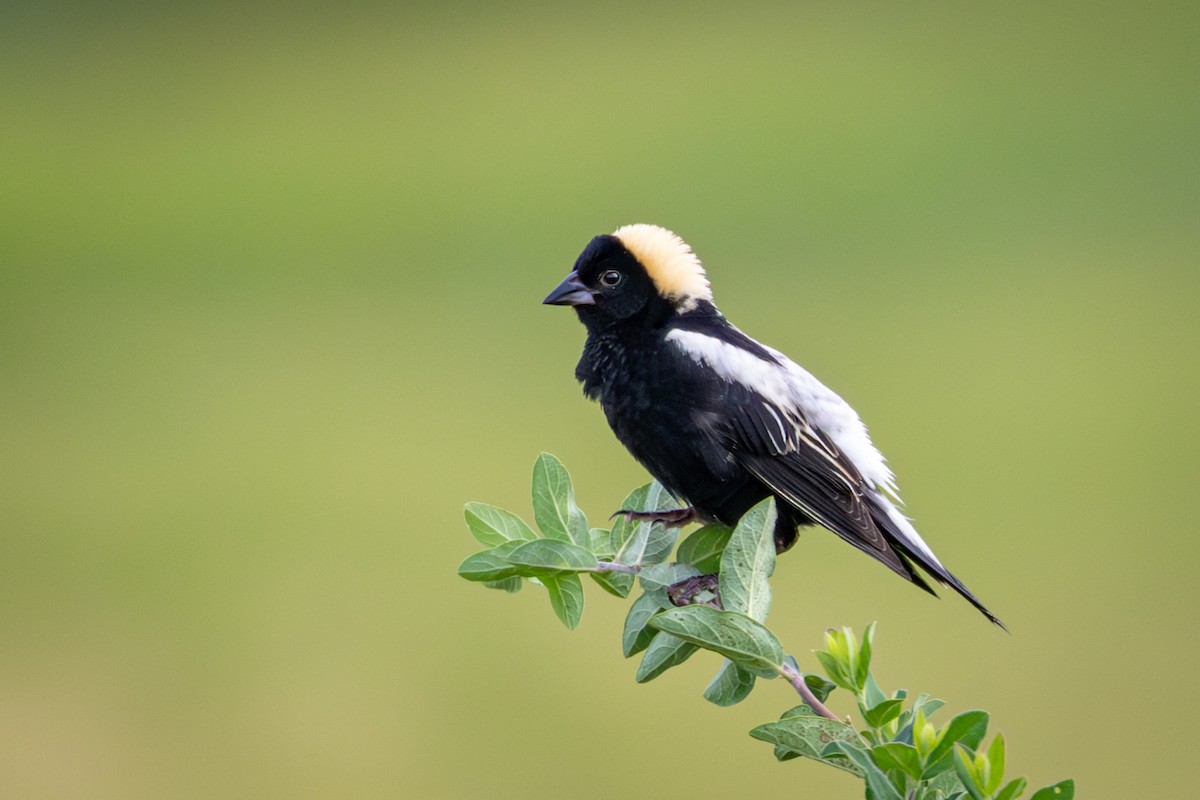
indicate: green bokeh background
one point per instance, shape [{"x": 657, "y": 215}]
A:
[{"x": 269, "y": 314}]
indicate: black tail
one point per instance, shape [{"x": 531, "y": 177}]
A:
[{"x": 939, "y": 573}]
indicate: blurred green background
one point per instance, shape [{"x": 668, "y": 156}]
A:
[{"x": 269, "y": 314}]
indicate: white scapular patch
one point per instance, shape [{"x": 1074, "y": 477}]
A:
[
  {"x": 792, "y": 388},
  {"x": 674, "y": 268}
]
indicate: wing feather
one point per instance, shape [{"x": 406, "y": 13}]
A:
[{"x": 810, "y": 449}]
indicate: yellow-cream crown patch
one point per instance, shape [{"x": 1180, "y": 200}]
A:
[{"x": 674, "y": 268}]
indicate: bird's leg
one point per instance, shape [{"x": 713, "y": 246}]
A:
[
  {"x": 688, "y": 591},
  {"x": 672, "y": 518}
]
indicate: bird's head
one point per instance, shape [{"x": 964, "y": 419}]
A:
[{"x": 636, "y": 271}]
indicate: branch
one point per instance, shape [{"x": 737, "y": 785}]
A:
[
  {"x": 612, "y": 566},
  {"x": 797, "y": 681}
]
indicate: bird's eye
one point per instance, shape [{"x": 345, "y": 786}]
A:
[{"x": 610, "y": 278}]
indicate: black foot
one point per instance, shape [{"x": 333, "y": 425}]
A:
[
  {"x": 672, "y": 518},
  {"x": 686, "y": 591}
]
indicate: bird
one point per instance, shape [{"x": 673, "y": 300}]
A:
[{"x": 723, "y": 421}]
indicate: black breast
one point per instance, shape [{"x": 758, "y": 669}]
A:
[{"x": 658, "y": 401}]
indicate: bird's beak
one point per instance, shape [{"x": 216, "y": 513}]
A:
[{"x": 571, "y": 292}]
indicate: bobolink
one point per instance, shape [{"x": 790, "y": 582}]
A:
[{"x": 721, "y": 420}]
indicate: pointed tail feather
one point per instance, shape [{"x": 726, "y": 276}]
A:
[{"x": 904, "y": 538}]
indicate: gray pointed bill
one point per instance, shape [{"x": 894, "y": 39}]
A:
[{"x": 571, "y": 292}]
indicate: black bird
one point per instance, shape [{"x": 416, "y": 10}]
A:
[{"x": 721, "y": 420}]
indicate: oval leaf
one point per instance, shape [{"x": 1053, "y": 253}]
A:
[
  {"x": 660, "y": 576},
  {"x": 883, "y": 713},
  {"x": 600, "y": 542},
  {"x": 878, "y": 785},
  {"x": 703, "y": 548},
  {"x": 644, "y": 542},
  {"x": 548, "y": 558},
  {"x": 510, "y": 585},
  {"x": 566, "y": 598},
  {"x": 554, "y": 506},
  {"x": 493, "y": 526},
  {"x": 964, "y": 767},
  {"x": 490, "y": 565},
  {"x": 1014, "y": 789},
  {"x": 742, "y": 640},
  {"x": 1063, "y": 790},
  {"x": 615, "y": 583},
  {"x": 897, "y": 755},
  {"x": 748, "y": 561},
  {"x": 665, "y": 651},
  {"x": 730, "y": 686},
  {"x": 995, "y": 756},
  {"x": 967, "y": 729},
  {"x": 807, "y": 735},
  {"x": 637, "y": 633}
]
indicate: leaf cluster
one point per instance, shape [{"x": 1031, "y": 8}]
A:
[{"x": 897, "y": 750}]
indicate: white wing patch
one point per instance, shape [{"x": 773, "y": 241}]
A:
[{"x": 790, "y": 387}]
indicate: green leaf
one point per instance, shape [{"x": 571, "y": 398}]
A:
[
  {"x": 947, "y": 784},
  {"x": 748, "y": 561},
  {"x": 836, "y": 644},
  {"x": 967, "y": 729},
  {"x": 547, "y": 558},
  {"x": 834, "y": 669},
  {"x": 878, "y": 785},
  {"x": 1063, "y": 790},
  {"x": 617, "y": 583},
  {"x": 637, "y": 633},
  {"x": 659, "y": 544},
  {"x": 782, "y": 753},
  {"x": 923, "y": 703},
  {"x": 801, "y": 710},
  {"x": 872, "y": 694},
  {"x": 600, "y": 542},
  {"x": 863, "y": 665},
  {"x": 665, "y": 651},
  {"x": 651, "y": 497},
  {"x": 995, "y": 756},
  {"x": 818, "y": 685},
  {"x": 566, "y": 597},
  {"x": 490, "y": 565},
  {"x": 510, "y": 585},
  {"x": 808, "y": 735},
  {"x": 742, "y": 640},
  {"x": 1014, "y": 789},
  {"x": 897, "y": 756},
  {"x": 702, "y": 548},
  {"x": 493, "y": 526},
  {"x": 731, "y": 685},
  {"x": 964, "y": 767},
  {"x": 852, "y": 650},
  {"x": 554, "y": 502},
  {"x": 927, "y": 704},
  {"x": 883, "y": 713},
  {"x": 843, "y": 646},
  {"x": 660, "y": 576}
]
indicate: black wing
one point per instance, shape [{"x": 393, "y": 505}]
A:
[{"x": 803, "y": 468}]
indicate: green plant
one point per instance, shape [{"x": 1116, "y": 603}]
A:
[{"x": 895, "y": 748}]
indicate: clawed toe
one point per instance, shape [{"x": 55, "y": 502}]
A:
[
  {"x": 673, "y": 518},
  {"x": 689, "y": 590}
]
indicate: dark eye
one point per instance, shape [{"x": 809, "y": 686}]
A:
[{"x": 610, "y": 278}]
